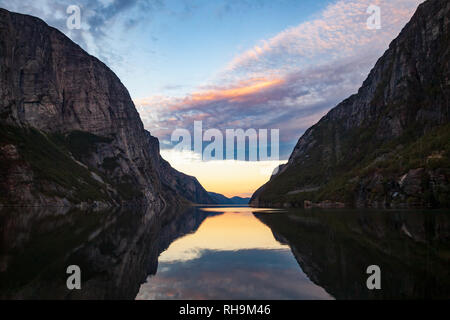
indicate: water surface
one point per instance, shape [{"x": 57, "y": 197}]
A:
[
  {"x": 224, "y": 253},
  {"x": 230, "y": 256}
]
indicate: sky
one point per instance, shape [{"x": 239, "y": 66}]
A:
[{"x": 232, "y": 64}]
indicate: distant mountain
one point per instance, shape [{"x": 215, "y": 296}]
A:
[
  {"x": 221, "y": 199},
  {"x": 240, "y": 200},
  {"x": 389, "y": 144},
  {"x": 69, "y": 131}
]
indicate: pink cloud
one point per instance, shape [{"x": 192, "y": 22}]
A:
[
  {"x": 288, "y": 81},
  {"x": 339, "y": 31}
]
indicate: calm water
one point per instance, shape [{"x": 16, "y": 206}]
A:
[
  {"x": 224, "y": 253},
  {"x": 230, "y": 256}
]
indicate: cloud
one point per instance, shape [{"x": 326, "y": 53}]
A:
[
  {"x": 240, "y": 92},
  {"x": 339, "y": 31},
  {"x": 288, "y": 81},
  {"x": 291, "y": 104},
  {"x": 102, "y": 21}
]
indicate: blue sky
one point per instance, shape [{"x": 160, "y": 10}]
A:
[
  {"x": 169, "y": 46},
  {"x": 189, "y": 42},
  {"x": 262, "y": 64}
]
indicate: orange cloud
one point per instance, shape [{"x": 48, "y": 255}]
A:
[{"x": 238, "y": 92}]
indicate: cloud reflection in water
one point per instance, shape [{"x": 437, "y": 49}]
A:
[{"x": 230, "y": 256}]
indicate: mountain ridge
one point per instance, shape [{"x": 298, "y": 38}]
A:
[
  {"x": 69, "y": 131},
  {"x": 221, "y": 199},
  {"x": 387, "y": 145}
]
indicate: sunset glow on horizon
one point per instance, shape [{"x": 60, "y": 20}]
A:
[{"x": 228, "y": 177}]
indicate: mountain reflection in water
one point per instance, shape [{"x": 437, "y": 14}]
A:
[
  {"x": 334, "y": 248},
  {"x": 224, "y": 253},
  {"x": 230, "y": 256}
]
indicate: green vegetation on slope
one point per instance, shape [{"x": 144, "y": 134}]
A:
[
  {"x": 55, "y": 172},
  {"x": 339, "y": 172},
  {"x": 80, "y": 143}
]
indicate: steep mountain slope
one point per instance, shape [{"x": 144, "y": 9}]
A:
[
  {"x": 221, "y": 199},
  {"x": 69, "y": 131},
  {"x": 389, "y": 144},
  {"x": 239, "y": 200},
  {"x": 177, "y": 182}
]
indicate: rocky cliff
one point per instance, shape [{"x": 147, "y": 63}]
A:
[
  {"x": 69, "y": 131},
  {"x": 387, "y": 145},
  {"x": 177, "y": 182}
]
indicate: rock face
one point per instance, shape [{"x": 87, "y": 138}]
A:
[
  {"x": 178, "y": 182},
  {"x": 387, "y": 145},
  {"x": 69, "y": 131}
]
